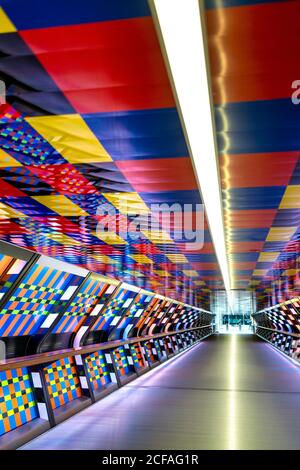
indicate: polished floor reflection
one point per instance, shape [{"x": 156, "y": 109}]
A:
[{"x": 229, "y": 392}]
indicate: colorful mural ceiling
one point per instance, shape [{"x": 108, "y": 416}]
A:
[
  {"x": 252, "y": 68},
  {"x": 90, "y": 133}
]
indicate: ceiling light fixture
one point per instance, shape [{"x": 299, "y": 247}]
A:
[{"x": 181, "y": 34}]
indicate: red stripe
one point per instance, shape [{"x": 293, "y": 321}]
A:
[
  {"x": 108, "y": 66},
  {"x": 252, "y": 51}
]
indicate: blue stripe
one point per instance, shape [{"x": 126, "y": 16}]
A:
[
  {"x": 139, "y": 135},
  {"x": 27, "y": 206},
  {"x": 258, "y": 126},
  {"x": 274, "y": 246},
  {"x": 235, "y": 3},
  {"x": 242, "y": 272},
  {"x": 31, "y": 14},
  {"x": 17, "y": 324},
  {"x": 203, "y": 258},
  {"x": 253, "y": 234},
  {"x": 255, "y": 198},
  {"x": 190, "y": 197},
  {"x": 35, "y": 326},
  {"x": 243, "y": 257},
  {"x": 65, "y": 326}
]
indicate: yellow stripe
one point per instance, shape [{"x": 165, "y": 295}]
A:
[
  {"x": 5, "y": 159},
  {"x": 268, "y": 256},
  {"x": 157, "y": 236},
  {"x": 280, "y": 234},
  {"x": 127, "y": 203},
  {"x": 190, "y": 273},
  {"x": 291, "y": 198},
  {"x": 60, "y": 204},
  {"x": 141, "y": 259},
  {"x": 110, "y": 238},
  {"x": 6, "y": 26},
  {"x": 71, "y": 137},
  {"x": 177, "y": 258},
  {"x": 7, "y": 212}
]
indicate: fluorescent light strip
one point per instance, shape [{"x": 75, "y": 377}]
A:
[{"x": 181, "y": 31}]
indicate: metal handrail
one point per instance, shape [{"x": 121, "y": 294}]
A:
[
  {"x": 41, "y": 358},
  {"x": 279, "y": 331}
]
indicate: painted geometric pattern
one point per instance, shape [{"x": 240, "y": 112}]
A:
[
  {"x": 168, "y": 345},
  {"x": 10, "y": 268},
  {"x": 121, "y": 362},
  {"x": 258, "y": 142},
  {"x": 98, "y": 370},
  {"x": 163, "y": 316},
  {"x": 36, "y": 296},
  {"x": 174, "y": 342},
  {"x": 189, "y": 318},
  {"x": 137, "y": 355},
  {"x": 115, "y": 310},
  {"x": 145, "y": 317},
  {"x": 150, "y": 352},
  {"x": 283, "y": 342},
  {"x": 155, "y": 316},
  {"x": 77, "y": 140},
  {"x": 82, "y": 136},
  {"x": 295, "y": 349},
  {"x": 17, "y": 402},
  {"x": 132, "y": 316},
  {"x": 283, "y": 316},
  {"x": 175, "y": 313},
  {"x": 89, "y": 295},
  {"x": 158, "y": 348},
  {"x": 179, "y": 340},
  {"x": 62, "y": 382}
]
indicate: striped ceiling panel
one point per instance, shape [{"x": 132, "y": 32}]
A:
[
  {"x": 92, "y": 131},
  {"x": 91, "y": 135},
  {"x": 252, "y": 47}
]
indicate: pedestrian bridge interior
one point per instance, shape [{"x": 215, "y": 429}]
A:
[{"x": 149, "y": 224}]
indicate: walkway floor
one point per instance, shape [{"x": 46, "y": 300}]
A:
[{"x": 228, "y": 392}]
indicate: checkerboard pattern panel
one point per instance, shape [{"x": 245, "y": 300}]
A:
[
  {"x": 169, "y": 346},
  {"x": 10, "y": 268},
  {"x": 133, "y": 315},
  {"x": 17, "y": 402},
  {"x": 283, "y": 342},
  {"x": 151, "y": 352},
  {"x": 283, "y": 316},
  {"x": 114, "y": 311},
  {"x": 62, "y": 380},
  {"x": 184, "y": 340},
  {"x": 38, "y": 294},
  {"x": 295, "y": 349},
  {"x": 155, "y": 317},
  {"x": 174, "y": 343},
  {"x": 180, "y": 342},
  {"x": 149, "y": 315},
  {"x": 177, "y": 311},
  {"x": 93, "y": 292},
  {"x": 137, "y": 355},
  {"x": 123, "y": 361},
  {"x": 158, "y": 348},
  {"x": 190, "y": 338},
  {"x": 99, "y": 372}
]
